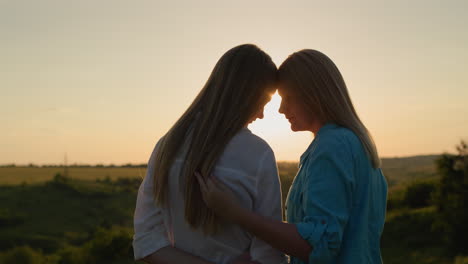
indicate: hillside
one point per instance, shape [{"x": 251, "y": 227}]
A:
[
  {"x": 88, "y": 218},
  {"x": 396, "y": 170}
]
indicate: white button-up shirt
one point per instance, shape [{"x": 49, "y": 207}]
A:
[{"x": 248, "y": 167}]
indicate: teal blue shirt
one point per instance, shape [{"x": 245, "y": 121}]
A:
[{"x": 338, "y": 200}]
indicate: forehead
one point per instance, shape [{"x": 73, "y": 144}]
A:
[{"x": 284, "y": 89}]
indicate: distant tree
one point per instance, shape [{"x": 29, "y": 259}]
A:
[
  {"x": 419, "y": 194},
  {"x": 12, "y": 165},
  {"x": 452, "y": 200},
  {"x": 107, "y": 179},
  {"x": 59, "y": 178}
]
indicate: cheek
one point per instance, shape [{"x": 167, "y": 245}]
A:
[
  {"x": 302, "y": 116},
  {"x": 296, "y": 111},
  {"x": 286, "y": 107}
]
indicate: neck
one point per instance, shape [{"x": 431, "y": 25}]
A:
[{"x": 316, "y": 127}]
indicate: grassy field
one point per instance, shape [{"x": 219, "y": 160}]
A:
[
  {"x": 397, "y": 171},
  {"x": 68, "y": 219},
  {"x": 71, "y": 221},
  {"x": 18, "y": 175},
  {"x": 404, "y": 170}
]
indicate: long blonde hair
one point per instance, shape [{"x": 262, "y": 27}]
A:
[
  {"x": 240, "y": 83},
  {"x": 318, "y": 82}
]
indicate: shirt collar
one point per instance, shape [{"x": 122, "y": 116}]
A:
[
  {"x": 326, "y": 127},
  {"x": 310, "y": 149}
]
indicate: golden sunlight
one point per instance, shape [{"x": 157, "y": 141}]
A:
[
  {"x": 271, "y": 109},
  {"x": 275, "y": 129},
  {"x": 274, "y": 124}
]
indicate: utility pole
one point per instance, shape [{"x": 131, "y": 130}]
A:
[{"x": 65, "y": 166}]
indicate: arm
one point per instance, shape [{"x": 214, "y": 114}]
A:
[
  {"x": 267, "y": 203},
  {"x": 326, "y": 204},
  {"x": 280, "y": 235}
]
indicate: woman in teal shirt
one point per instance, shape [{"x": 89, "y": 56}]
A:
[{"x": 335, "y": 208}]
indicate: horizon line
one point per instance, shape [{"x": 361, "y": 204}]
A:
[{"x": 130, "y": 164}]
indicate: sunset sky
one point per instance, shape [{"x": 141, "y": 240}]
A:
[{"x": 103, "y": 80}]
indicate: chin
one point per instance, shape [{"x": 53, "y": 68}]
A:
[{"x": 294, "y": 128}]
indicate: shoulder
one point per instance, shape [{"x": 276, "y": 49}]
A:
[
  {"x": 333, "y": 158},
  {"x": 249, "y": 143},
  {"x": 247, "y": 152},
  {"x": 338, "y": 141},
  {"x": 336, "y": 146}
]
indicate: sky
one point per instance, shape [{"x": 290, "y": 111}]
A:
[{"x": 102, "y": 81}]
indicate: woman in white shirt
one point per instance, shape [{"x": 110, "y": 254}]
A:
[{"x": 172, "y": 223}]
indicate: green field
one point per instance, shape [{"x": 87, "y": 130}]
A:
[
  {"x": 68, "y": 221},
  {"x": 397, "y": 171},
  {"x": 87, "y": 217},
  {"x": 18, "y": 175}
]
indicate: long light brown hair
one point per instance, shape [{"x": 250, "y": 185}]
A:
[
  {"x": 314, "y": 77},
  {"x": 239, "y": 85}
]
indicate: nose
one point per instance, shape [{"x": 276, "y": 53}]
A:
[
  {"x": 261, "y": 114},
  {"x": 282, "y": 107}
]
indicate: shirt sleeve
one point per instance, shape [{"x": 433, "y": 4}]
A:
[
  {"x": 268, "y": 204},
  {"x": 148, "y": 222},
  {"x": 326, "y": 201}
]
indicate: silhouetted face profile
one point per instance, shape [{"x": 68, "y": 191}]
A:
[
  {"x": 293, "y": 109},
  {"x": 260, "y": 112}
]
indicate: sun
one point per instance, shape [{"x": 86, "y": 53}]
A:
[
  {"x": 275, "y": 129},
  {"x": 273, "y": 124},
  {"x": 271, "y": 109}
]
